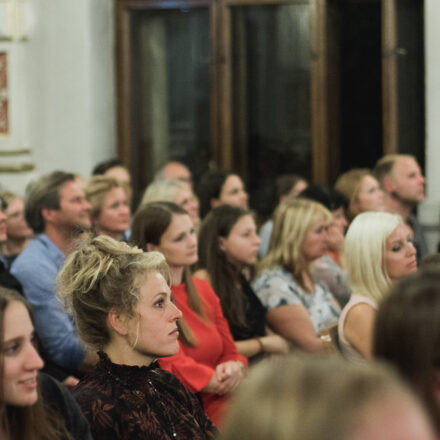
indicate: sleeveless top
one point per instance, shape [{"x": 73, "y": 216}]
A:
[{"x": 348, "y": 350}]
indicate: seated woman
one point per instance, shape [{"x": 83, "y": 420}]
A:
[
  {"x": 221, "y": 187},
  {"x": 227, "y": 252},
  {"x": 33, "y": 406},
  {"x": 208, "y": 361},
  {"x": 176, "y": 191},
  {"x": 379, "y": 250},
  {"x": 121, "y": 302},
  {"x": 317, "y": 398},
  {"x": 362, "y": 190},
  {"x": 407, "y": 335},
  {"x": 18, "y": 231},
  {"x": 298, "y": 309},
  {"x": 331, "y": 268},
  {"x": 286, "y": 186},
  {"x": 110, "y": 206}
]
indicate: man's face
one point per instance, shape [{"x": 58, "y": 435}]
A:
[
  {"x": 406, "y": 182},
  {"x": 74, "y": 209}
]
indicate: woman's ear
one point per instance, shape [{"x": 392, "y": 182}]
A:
[
  {"x": 149, "y": 247},
  {"x": 118, "y": 321},
  {"x": 222, "y": 244}
]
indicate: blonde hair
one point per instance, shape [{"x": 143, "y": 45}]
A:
[
  {"x": 350, "y": 184},
  {"x": 293, "y": 219},
  {"x": 163, "y": 190},
  {"x": 98, "y": 187},
  {"x": 365, "y": 245},
  {"x": 299, "y": 397},
  {"x": 104, "y": 274}
]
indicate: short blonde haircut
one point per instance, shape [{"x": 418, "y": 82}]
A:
[
  {"x": 293, "y": 219},
  {"x": 365, "y": 245},
  {"x": 384, "y": 166},
  {"x": 104, "y": 274},
  {"x": 98, "y": 187},
  {"x": 163, "y": 191},
  {"x": 300, "y": 397},
  {"x": 350, "y": 184}
]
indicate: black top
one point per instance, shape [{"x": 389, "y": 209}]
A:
[
  {"x": 255, "y": 315},
  {"x": 129, "y": 402},
  {"x": 59, "y": 398}
]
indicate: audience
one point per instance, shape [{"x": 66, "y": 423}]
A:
[
  {"x": 331, "y": 267},
  {"x": 121, "y": 300},
  {"x": 18, "y": 231},
  {"x": 208, "y": 361},
  {"x": 227, "y": 253},
  {"x": 379, "y": 250},
  {"x": 297, "y": 398},
  {"x": 287, "y": 185},
  {"x": 221, "y": 188},
  {"x": 58, "y": 212},
  {"x": 174, "y": 170},
  {"x": 362, "y": 191},
  {"x": 298, "y": 308},
  {"x": 110, "y": 214},
  {"x": 176, "y": 191},
  {"x": 33, "y": 406},
  {"x": 404, "y": 187},
  {"x": 407, "y": 334}
]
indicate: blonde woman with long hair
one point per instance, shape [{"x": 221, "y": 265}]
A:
[
  {"x": 379, "y": 250},
  {"x": 298, "y": 308}
]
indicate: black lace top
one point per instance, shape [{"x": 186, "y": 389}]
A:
[{"x": 130, "y": 402}]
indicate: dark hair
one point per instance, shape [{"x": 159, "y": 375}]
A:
[
  {"x": 210, "y": 187},
  {"x": 103, "y": 167},
  {"x": 225, "y": 277},
  {"x": 407, "y": 333},
  {"x": 38, "y": 421},
  {"x": 149, "y": 224},
  {"x": 430, "y": 262},
  {"x": 285, "y": 183},
  {"x": 44, "y": 194},
  {"x": 328, "y": 197}
]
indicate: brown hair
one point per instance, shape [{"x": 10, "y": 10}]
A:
[
  {"x": 149, "y": 224},
  {"x": 35, "y": 422},
  {"x": 385, "y": 165},
  {"x": 104, "y": 274}
]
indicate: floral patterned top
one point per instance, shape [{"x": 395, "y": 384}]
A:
[
  {"x": 129, "y": 402},
  {"x": 277, "y": 287}
]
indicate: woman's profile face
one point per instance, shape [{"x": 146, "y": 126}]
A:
[
  {"x": 370, "y": 197},
  {"x": 233, "y": 193},
  {"x": 114, "y": 216},
  {"x": 400, "y": 254},
  {"x": 187, "y": 200},
  {"x": 152, "y": 332},
  {"x": 21, "y": 360},
  {"x": 16, "y": 223},
  {"x": 241, "y": 245},
  {"x": 316, "y": 241},
  {"x": 179, "y": 242}
]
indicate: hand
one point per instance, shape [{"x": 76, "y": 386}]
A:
[
  {"x": 275, "y": 344},
  {"x": 229, "y": 375},
  {"x": 335, "y": 239},
  {"x": 70, "y": 381}
]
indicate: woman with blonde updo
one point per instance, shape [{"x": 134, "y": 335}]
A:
[
  {"x": 298, "y": 308},
  {"x": 110, "y": 206},
  {"x": 362, "y": 191},
  {"x": 379, "y": 250},
  {"x": 121, "y": 302}
]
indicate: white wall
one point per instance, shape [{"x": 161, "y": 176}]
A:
[
  {"x": 429, "y": 211},
  {"x": 66, "y": 66}
]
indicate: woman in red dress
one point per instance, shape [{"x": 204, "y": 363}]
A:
[{"x": 208, "y": 361}]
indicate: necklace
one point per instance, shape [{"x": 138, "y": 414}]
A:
[{"x": 163, "y": 408}]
